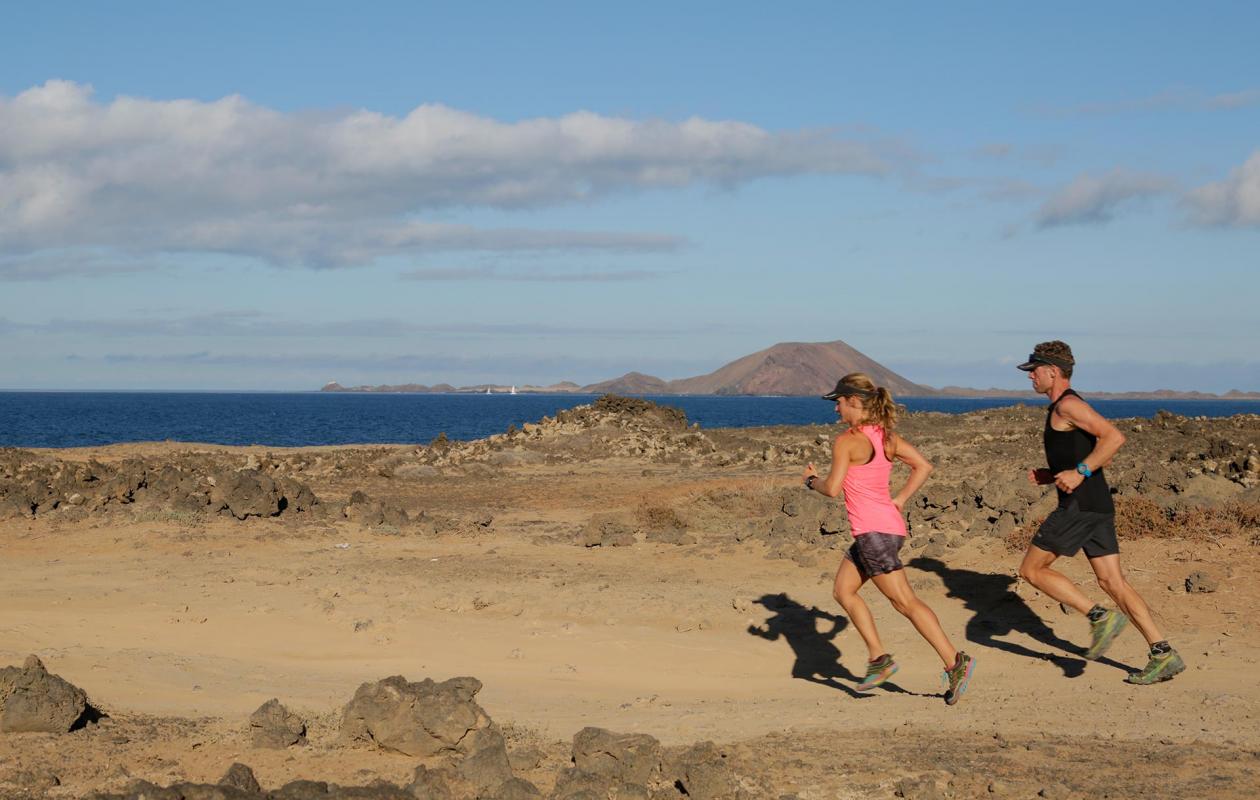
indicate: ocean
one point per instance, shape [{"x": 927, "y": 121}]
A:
[{"x": 81, "y": 419}]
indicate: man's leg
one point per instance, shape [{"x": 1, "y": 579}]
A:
[
  {"x": 848, "y": 581},
  {"x": 1036, "y": 570},
  {"x": 897, "y": 589},
  {"x": 1112, "y": 581},
  {"x": 1164, "y": 661}
]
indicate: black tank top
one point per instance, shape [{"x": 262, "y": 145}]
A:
[{"x": 1066, "y": 449}]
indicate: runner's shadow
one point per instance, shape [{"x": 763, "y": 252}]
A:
[
  {"x": 1000, "y": 612},
  {"x": 817, "y": 658}
]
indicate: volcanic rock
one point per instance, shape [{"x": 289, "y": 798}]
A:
[
  {"x": 704, "y": 773},
  {"x": 241, "y": 777},
  {"x": 1200, "y": 582},
  {"x": 629, "y": 757},
  {"x": 274, "y": 726},
  {"x": 33, "y": 699},
  {"x": 417, "y": 719},
  {"x": 246, "y": 493}
]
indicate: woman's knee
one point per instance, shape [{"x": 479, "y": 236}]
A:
[{"x": 904, "y": 606}]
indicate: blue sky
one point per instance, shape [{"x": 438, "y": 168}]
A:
[{"x": 275, "y": 195}]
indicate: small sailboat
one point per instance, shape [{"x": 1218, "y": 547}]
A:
[
  {"x": 487, "y": 390},
  {"x": 513, "y": 389}
]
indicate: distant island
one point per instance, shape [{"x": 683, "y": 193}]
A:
[{"x": 788, "y": 369}]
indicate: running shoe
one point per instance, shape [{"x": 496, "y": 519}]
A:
[
  {"x": 1103, "y": 632},
  {"x": 956, "y": 678},
  {"x": 878, "y": 671},
  {"x": 1160, "y": 668}
]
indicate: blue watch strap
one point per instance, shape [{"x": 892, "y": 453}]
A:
[{"x": 1084, "y": 470}]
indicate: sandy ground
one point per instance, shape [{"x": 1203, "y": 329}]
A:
[{"x": 179, "y": 628}]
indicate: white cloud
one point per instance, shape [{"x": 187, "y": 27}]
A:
[
  {"x": 140, "y": 176},
  {"x": 1234, "y": 201},
  {"x": 1093, "y": 199}
]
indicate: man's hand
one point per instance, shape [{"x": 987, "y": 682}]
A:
[
  {"x": 1068, "y": 480},
  {"x": 1040, "y": 477}
]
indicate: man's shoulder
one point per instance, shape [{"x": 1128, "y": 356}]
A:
[{"x": 1070, "y": 401}]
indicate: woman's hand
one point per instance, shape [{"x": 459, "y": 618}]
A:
[
  {"x": 900, "y": 503},
  {"x": 809, "y": 470}
]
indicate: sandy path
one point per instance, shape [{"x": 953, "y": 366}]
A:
[{"x": 165, "y": 620}]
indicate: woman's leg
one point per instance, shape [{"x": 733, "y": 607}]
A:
[
  {"x": 897, "y": 589},
  {"x": 848, "y": 581}
]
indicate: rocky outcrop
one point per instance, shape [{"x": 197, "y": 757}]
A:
[
  {"x": 33, "y": 486},
  {"x": 274, "y": 726},
  {"x": 425, "y": 718},
  {"x": 627, "y": 757},
  {"x": 34, "y": 700}
]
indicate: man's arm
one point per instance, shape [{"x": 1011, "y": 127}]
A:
[
  {"x": 1110, "y": 439},
  {"x": 840, "y": 458}
]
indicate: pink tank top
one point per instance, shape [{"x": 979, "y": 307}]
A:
[{"x": 866, "y": 496}]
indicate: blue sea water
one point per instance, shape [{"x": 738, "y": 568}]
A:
[{"x": 79, "y": 419}]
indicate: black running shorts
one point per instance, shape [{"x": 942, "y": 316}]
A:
[
  {"x": 876, "y": 553},
  {"x": 1068, "y": 530}
]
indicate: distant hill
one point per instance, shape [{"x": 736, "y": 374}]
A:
[
  {"x": 630, "y": 383},
  {"x": 788, "y": 368}
]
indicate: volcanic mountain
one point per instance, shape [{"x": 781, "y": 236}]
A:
[{"x": 788, "y": 368}]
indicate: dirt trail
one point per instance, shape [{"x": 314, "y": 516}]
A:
[{"x": 179, "y": 626}]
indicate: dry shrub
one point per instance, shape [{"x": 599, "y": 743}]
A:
[
  {"x": 1247, "y": 514},
  {"x": 1021, "y": 537},
  {"x": 659, "y": 518},
  {"x": 1137, "y": 517}
]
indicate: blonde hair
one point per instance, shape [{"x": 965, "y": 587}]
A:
[{"x": 877, "y": 401}]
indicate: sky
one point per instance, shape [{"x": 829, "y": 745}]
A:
[{"x": 272, "y": 196}]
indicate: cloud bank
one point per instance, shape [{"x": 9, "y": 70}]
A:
[
  {"x": 1233, "y": 202},
  {"x": 1093, "y": 199},
  {"x": 137, "y": 177}
]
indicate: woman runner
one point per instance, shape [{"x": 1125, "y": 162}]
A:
[{"x": 861, "y": 464}]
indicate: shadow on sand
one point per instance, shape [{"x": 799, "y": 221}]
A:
[
  {"x": 998, "y": 611},
  {"x": 817, "y": 658}
]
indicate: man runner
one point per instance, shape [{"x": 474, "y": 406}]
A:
[{"x": 1079, "y": 443}]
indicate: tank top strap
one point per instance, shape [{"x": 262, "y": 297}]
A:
[
  {"x": 875, "y": 435},
  {"x": 1068, "y": 393}
]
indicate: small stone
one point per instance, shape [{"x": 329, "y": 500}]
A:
[
  {"x": 274, "y": 726},
  {"x": 241, "y": 777},
  {"x": 1200, "y": 582}
]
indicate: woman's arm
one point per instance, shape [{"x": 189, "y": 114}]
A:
[
  {"x": 920, "y": 468},
  {"x": 840, "y": 457}
]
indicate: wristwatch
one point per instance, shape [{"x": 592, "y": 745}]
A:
[
  {"x": 809, "y": 482},
  {"x": 1084, "y": 469}
]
